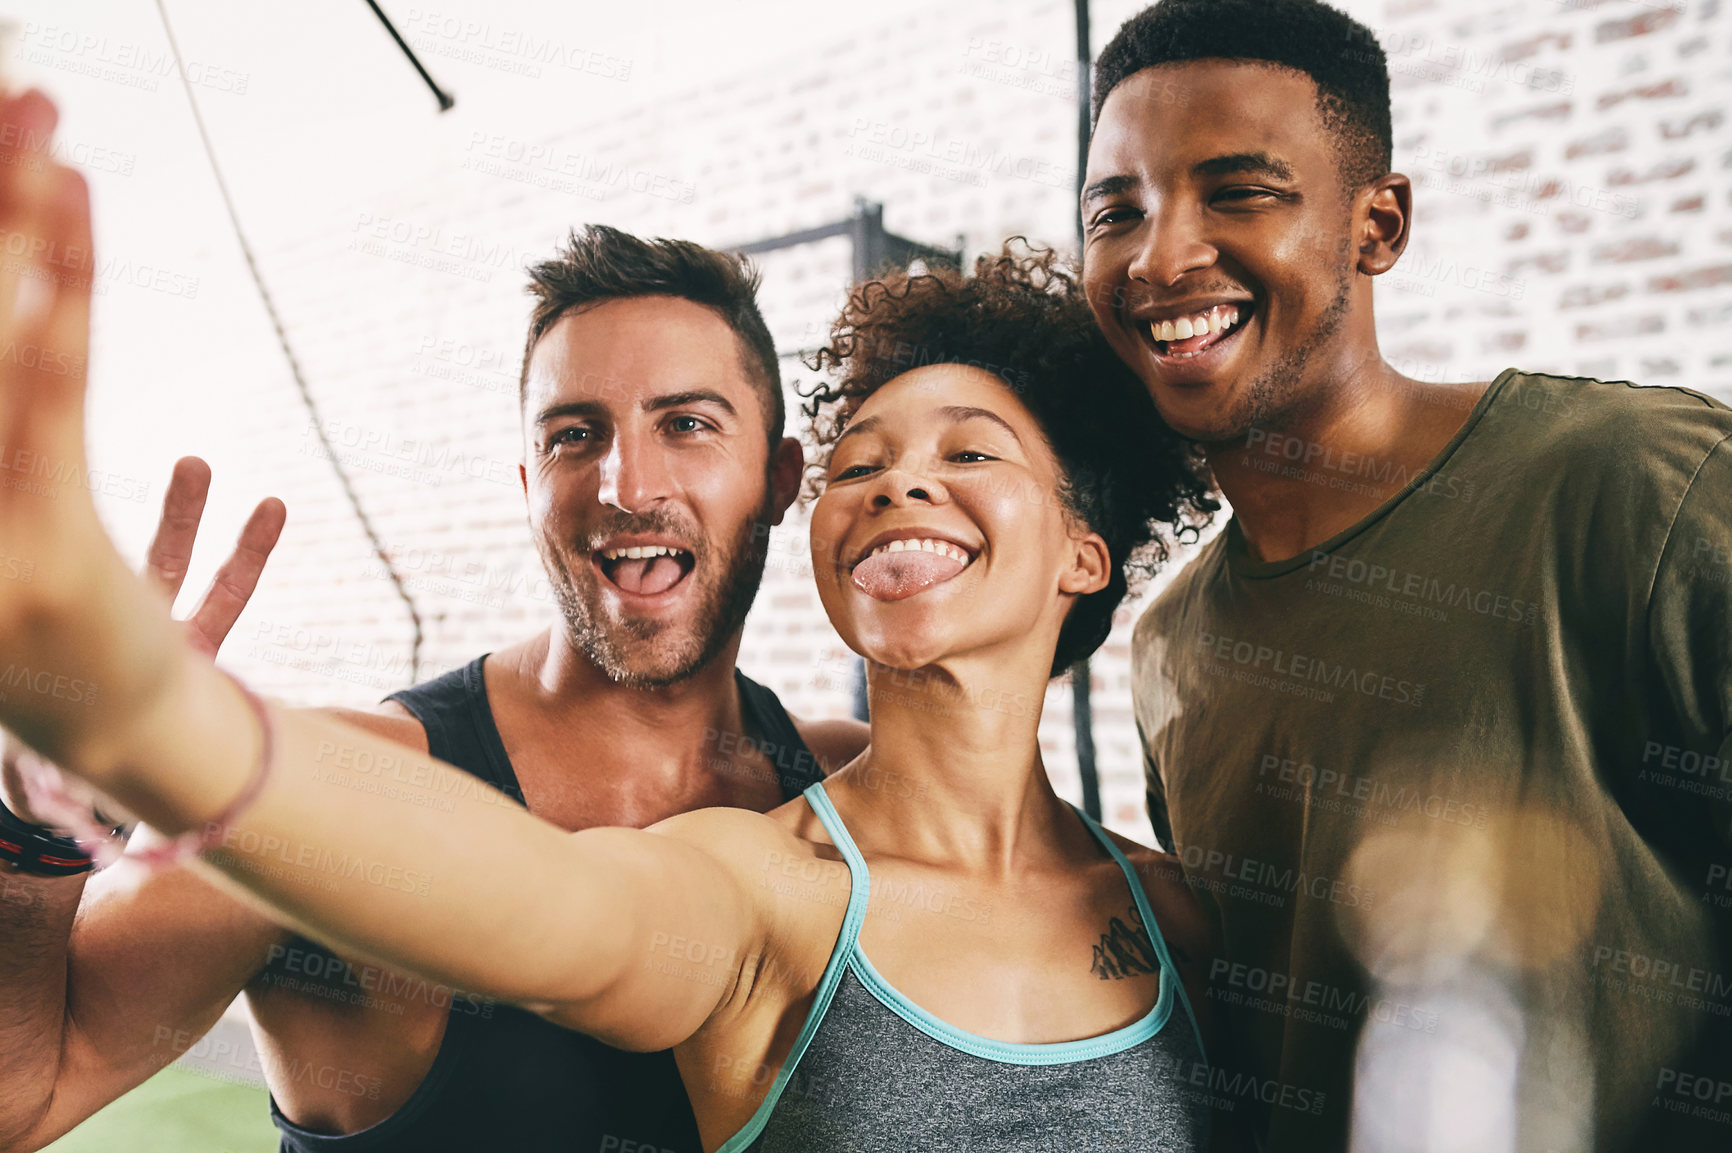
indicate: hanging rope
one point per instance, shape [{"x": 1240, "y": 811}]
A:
[
  {"x": 306, "y": 394},
  {"x": 446, "y": 102}
]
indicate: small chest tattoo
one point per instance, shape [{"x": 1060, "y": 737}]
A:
[{"x": 1125, "y": 949}]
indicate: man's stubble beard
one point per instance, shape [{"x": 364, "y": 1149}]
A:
[
  {"x": 1269, "y": 399},
  {"x": 1272, "y": 393},
  {"x": 738, "y": 574}
]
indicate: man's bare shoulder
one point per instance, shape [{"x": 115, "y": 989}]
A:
[{"x": 834, "y": 742}]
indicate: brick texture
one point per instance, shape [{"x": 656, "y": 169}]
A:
[{"x": 1600, "y": 238}]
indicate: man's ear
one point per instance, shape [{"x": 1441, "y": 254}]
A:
[
  {"x": 1091, "y": 566},
  {"x": 787, "y": 470},
  {"x": 1383, "y": 222}
]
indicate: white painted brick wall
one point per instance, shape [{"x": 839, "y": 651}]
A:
[{"x": 1575, "y": 181}]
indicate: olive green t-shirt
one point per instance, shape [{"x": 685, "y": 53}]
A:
[{"x": 1457, "y": 784}]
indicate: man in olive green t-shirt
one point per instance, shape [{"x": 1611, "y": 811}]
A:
[{"x": 1440, "y": 724}]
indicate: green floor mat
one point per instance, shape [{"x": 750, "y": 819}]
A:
[{"x": 178, "y": 1112}]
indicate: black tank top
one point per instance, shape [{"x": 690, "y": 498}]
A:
[{"x": 505, "y": 1079}]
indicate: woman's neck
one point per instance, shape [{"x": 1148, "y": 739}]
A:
[{"x": 953, "y": 775}]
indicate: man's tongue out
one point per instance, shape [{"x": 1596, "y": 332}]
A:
[
  {"x": 1194, "y": 344},
  {"x": 648, "y": 576},
  {"x": 1191, "y": 335},
  {"x": 890, "y": 576}
]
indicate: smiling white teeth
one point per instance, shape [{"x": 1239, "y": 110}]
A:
[
  {"x": 1214, "y": 322},
  {"x": 639, "y": 552},
  {"x": 922, "y": 544}
]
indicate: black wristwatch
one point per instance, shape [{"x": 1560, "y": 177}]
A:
[{"x": 34, "y": 849}]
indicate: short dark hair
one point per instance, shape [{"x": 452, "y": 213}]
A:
[
  {"x": 1023, "y": 317},
  {"x": 599, "y": 263},
  {"x": 1341, "y": 55}
]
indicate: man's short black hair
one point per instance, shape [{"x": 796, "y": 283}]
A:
[
  {"x": 599, "y": 263},
  {"x": 1340, "y": 54}
]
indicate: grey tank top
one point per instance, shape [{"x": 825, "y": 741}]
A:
[{"x": 872, "y": 1072}]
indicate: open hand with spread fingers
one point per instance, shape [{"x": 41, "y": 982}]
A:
[{"x": 170, "y": 553}]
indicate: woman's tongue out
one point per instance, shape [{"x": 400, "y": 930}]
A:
[
  {"x": 891, "y": 576},
  {"x": 647, "y": 576}
]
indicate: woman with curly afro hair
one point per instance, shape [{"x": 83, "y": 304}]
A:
[{"x": 929, "y": 949}]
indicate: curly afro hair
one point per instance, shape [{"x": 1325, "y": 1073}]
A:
[
  {"x": 1023, "y": 317},
  {"x": 1341, "y": 55}
]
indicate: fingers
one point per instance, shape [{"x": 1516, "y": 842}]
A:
[
  {"x": 235, "y": 582},
  {"x": 65, "y": 260},
  {"x": 170, "y": 552},
  {"x": 26, "y": 126},
  {"x": 45, "y": 285}
]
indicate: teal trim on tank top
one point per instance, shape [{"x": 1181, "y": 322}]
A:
[
  {"x": 848, "y": 954},
  {"x": 1010, "y": 1052}
]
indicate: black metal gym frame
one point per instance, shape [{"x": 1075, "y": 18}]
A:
[
  {"x": 1081, "y": 675},
  {"x": 875, "y": 248}
]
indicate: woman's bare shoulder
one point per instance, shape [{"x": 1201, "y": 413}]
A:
[
  {"x": 780, "y": 851},
  {"x": 1183, "y": 919}
]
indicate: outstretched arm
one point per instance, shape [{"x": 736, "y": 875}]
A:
[{"x": 436, "y": 873}]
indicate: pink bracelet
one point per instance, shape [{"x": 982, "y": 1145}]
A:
[{"x": 105, "y": 848}]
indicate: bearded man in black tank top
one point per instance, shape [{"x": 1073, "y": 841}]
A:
[{"x": 654, "y": 464}]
